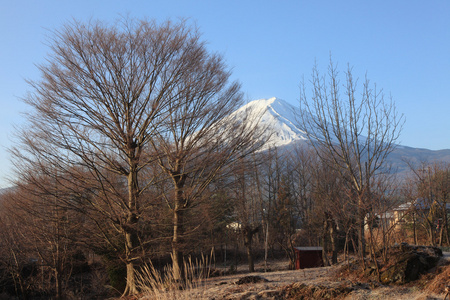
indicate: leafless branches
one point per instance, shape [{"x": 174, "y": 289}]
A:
[{"x": 352, "y": 131}]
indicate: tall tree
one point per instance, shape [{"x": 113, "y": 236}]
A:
[
  {"x": 103, "y": 93},
  {"x": 352, "y": 131},
  {"x": 201, "y": 137}
]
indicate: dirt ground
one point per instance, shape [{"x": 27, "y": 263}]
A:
[{"x": 227, "y": 287}]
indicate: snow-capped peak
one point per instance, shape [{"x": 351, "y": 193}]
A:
[{"x": 277, "y": 116}]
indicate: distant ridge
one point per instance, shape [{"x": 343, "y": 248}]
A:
[{"x": 281, "y": 117}]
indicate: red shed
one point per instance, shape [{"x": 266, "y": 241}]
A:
[{"x": 308, "y": 257}]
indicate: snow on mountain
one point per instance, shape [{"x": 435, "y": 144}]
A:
[{"x": 278, "y": 117}]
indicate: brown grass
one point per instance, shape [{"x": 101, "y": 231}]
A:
[
  {"x": 156, "y": 284},
  {"x": 437, "y": 281},
  {"x": 311, "y": 292}
]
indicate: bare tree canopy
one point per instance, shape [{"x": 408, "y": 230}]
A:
[
  {"x": 353, "y": 131},
  {"x": 108, "y": 99},
  {"x": 105, "y": 89}
]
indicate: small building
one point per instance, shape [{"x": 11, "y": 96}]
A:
[
  {"x": 417, "y": 208},
  {"x": 308, "y": 257},
  {"x": 404, "y": 213}
]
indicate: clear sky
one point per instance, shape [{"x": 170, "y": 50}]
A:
[{"x": 403, "y": 46}]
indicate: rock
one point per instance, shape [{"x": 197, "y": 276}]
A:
[{"x": 408, "y": 262}]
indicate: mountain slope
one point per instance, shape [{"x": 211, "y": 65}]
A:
[
  {"x": 277, "y": 115},
  {"x": 280, "y": 116}
]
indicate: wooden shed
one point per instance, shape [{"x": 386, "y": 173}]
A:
[{"x": 308, "y": 257}]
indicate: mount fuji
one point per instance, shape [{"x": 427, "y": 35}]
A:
[
  {"x": 281, "y": 118},
  {"x": 277, "y": 116}
]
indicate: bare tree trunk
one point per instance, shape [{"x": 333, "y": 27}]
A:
[
  {"x": 248, "y": 237},
  {"x": 251, "y": 265},
  {"x": 333, "y": 236},
  {"x": 414, "y": 228},
  {"x": 372, "y": 252},
  {"x": 443, "y": 225},
  {"x": 131, "y": 236},
  {"x": 266, "y": 240},
  {"x": 446, "y": 224},
  {"x": 177, "y": 222},
  {"x": 325, "y": 242},
  {"x": 130, "y": 288},
  {"x": 177, "y": 253},
  {"x": 360, "y": 228},
  {"x": 130, "y": 244},
  {"x": 431, "y": 235}
]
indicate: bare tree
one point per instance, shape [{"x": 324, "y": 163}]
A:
[
  {"x": 302, "y": 163},
  {"x": 247, "y": 204},
  {"x": 352, "y": 132},
  {"x": 328, "y": 190},
  {"x": 428, "y": 190},
  {"x": 102, "y": 96},
  {"x": 200, "y": 137}
]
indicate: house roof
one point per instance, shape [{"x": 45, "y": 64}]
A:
[
  {"x": 309, "y": 248},
  {"x": 419, "y": 203}
]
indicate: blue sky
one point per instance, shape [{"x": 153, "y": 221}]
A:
[{"x": 403, "y": 46}]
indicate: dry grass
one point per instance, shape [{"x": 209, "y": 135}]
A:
[
  {"x": 437, "y": 284},
  {"x": 312, "y": 292},
  {"x": 156, "y": 284}
]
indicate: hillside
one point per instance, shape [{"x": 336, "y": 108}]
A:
[{"x": 281, "y": 117}]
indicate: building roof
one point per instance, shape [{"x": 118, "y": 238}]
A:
[
  {"x": 309, "y": 248},
  {"x": 419, "y": 203}
]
